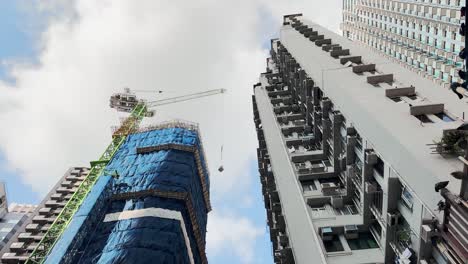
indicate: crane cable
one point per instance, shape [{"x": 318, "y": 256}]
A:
[{"x": 221, "y": 167}]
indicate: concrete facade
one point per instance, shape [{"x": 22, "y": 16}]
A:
[
  {"x": 422, "y": 35},
  {"x": 345, "y": 151},
  {"x": 11, "y": 217},
  {"x": 33, "y": 228}
]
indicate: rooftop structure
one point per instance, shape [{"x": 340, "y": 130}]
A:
[
  {"x": 420, "y": 35},
  {"x": 350, "y": 151}
]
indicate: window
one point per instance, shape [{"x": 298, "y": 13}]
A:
[
  {"x": 396, "y": 99},
  {"x": 379, "y": 166},
  {"x": 444, "y": 117},
  {"x": 423, "y": 118},
  {"x": 407, "y": 197},
  {"x": 412, "y": 97}
]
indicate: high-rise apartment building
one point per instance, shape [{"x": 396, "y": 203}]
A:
[
  {"x": 32, "y": 228},
  {"x": 422, "y": 35},
  {"x": 351, "y": 147},
  {"x": 11, "y": 217}
]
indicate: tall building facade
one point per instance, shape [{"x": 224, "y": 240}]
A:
[
  {"x": 11, "y": 217},
  {"x": 351, "y": 147},
  {"x": 421, "y": 35},
  {"x": 32, "y": 228},
  {"x": 149, "y": 206}
]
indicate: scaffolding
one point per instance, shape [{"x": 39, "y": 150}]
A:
[
  {"x": 138, "y": 109},
  {"x": 97, "y": 167}
]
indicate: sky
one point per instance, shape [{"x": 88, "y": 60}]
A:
[{"x": 61, "y": 60}]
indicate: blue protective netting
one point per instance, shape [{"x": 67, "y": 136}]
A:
[
  {"x": 147, "y": 239},
  {"x": 141, "y": 240}
]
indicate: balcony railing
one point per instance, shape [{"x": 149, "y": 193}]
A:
[
  {"x": 377, "y": 202},
  {"x": 402, "y": 239}
]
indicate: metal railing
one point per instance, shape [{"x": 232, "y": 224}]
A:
[{"x": 377, "y": 202}]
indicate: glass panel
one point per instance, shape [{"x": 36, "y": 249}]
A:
[{"x": 444, "y": 117}]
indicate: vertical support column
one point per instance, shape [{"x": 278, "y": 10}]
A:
[
  {"x": 336, "y": 124},
  {"x": 368, "y": 191}
]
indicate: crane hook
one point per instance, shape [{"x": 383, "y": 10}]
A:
[{"x": 221, "y": 168}]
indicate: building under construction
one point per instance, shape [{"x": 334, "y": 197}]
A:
[
  {"x": 145, "y": 199},
  {"x": 156, "y": 186}
]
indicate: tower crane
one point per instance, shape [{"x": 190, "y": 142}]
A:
[{"x": 138, "y": 109}]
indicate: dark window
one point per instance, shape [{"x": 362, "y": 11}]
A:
[
  {"x": 412, "y": 97},
  {"x": 333, "y": 245},
  {"x": 396, "y": 99},
  {"x": 379, "y": 166},
  {"x": 423, "y": 118}
]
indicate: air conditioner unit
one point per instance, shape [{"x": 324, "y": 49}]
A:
[
  {"x": 342, "y": 162},
  {"x": 392, "y": 219},
  {"x": 299, "y": 122},
  {"x": 371, "y": 158},
  {"x": 351, "y": 231},
  {"x": 370, "y": 188},
  {"x": 328, "y": 185},
  {"x": 318, "y": 165},
  {"x": 427, "y": 233},
  {"x": 326, "y": 233},
  {"x": 329, "y": 188},
  {"x": 337, "y": 201}
]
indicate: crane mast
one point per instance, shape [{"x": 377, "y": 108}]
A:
[{"x": 138, "y": 110}]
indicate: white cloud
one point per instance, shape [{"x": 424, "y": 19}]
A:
[
  {"x": 56, "y": 115},
  {"x": 232, "y": 234},
  {"x": 62, "y": 118}
]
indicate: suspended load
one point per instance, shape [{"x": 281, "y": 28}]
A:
[{"x": 221, "y": 168}]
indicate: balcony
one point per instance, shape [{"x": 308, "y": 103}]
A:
[
  {"x": 402, "y": 240},
  {"x": 332, "y": 189},
  {"x": 309, "y": 167},
  {"x": 376, "y": 206},
  {"x": 302, "y": 153},
  {"x": 358, "y": 147},
  {"x": 357, "y": 199},
  {"x": 356, "y": 177}
]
